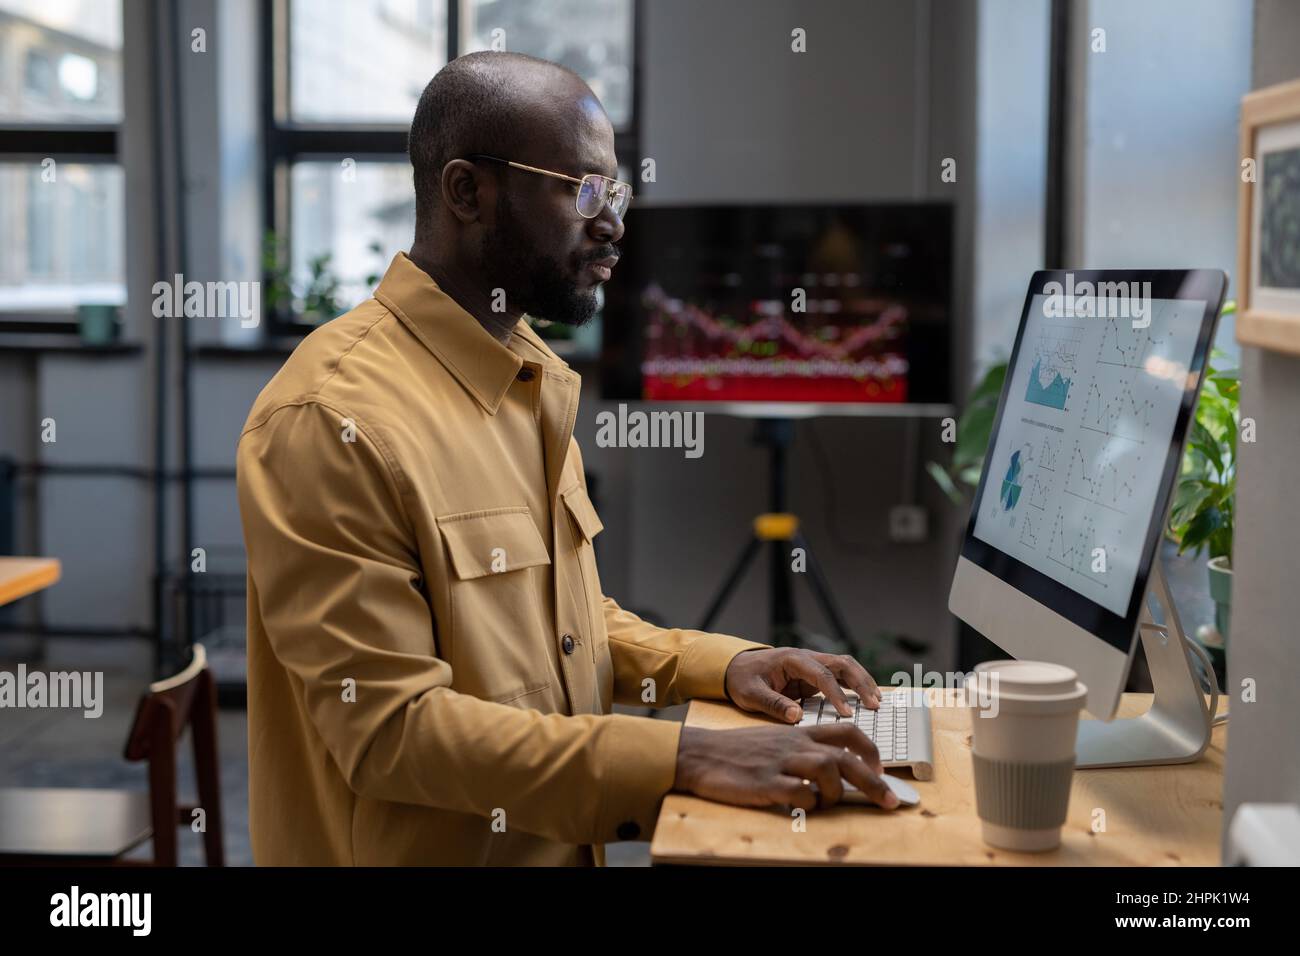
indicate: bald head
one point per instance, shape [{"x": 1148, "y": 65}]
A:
[
  {"x": 483, "y": 227},
  {"x": 502, "y": 104}
]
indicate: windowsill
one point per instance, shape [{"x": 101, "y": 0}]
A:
[
  {"x": 270, "y": 348},
  {"x": 63, "y": 344}
]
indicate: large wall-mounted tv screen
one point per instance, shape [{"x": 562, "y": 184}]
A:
[{"x": 824, "y": 304}]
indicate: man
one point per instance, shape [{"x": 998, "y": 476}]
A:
[{"x": 431, "y": 660}]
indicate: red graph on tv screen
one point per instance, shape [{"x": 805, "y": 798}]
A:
[{"x": 837, "y": 343}]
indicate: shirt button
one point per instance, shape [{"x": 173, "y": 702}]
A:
[
  {"x": 567, "y": 643},
  {"x": 526, "y": 375},
  {"x": 628, "y": 830}
]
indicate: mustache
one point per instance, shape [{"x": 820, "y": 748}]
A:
[{"x": 604, "y": 252}]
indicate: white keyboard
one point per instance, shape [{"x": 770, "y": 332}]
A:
[{"x": 900, "y": 729}]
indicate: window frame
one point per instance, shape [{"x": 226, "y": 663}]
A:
[
  {"x": 80, "y": 143},
  {"x": 286, "y": 142}
]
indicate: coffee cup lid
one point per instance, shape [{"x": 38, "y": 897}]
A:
[{"x": 1040, "y": 682}]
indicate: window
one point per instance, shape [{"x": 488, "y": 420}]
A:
[
  {"x": 593, "y": 38},
  {"x": 342, "y": 80},
  {"x": 38, "y": 78},
  {"x": 1155, "y": 192},
  {"x": 79, "y": 77},
  {"x": 61, "y": 191},
  {"x": 352, "y": 62},
  {"x": 359, "y": 222}
]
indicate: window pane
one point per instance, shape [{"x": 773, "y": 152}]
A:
[
  {"x": 363, "y": 60},
  {"x": 61, "y": 61},
  {"x": 60, "y": 241},
  {"x": 343, "y": 213},
  {"x": 591, "y": 37},
  {"x": 1160, "y": 130}
]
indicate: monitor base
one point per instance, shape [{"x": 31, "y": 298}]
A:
[{"x": 1178, "y": 726}]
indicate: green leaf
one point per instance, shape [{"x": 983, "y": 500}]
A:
[
  {"x": 1228, "y": 385},
  {"x": 991, "y": 384},
  {"x": 1203, "y": 441},
  {"x": 944, "y": 482},
  {"x": 973, "y": 432},
  {"x": 974, "y": 428},
  {"x": 1188, "y": 500},
  {"x": 1200, "y": 528}
]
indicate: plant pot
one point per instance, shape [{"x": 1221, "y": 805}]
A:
[
  {"x": 1214, "y": 638},
  {"x": 1221, "y": 591}
]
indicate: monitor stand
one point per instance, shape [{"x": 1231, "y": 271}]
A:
[{"x": 1177, "y": 728}]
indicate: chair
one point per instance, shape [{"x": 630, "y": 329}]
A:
[{"x": 85, "y": 827}]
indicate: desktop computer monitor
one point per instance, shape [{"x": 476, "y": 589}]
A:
[
  {"x": 1083, "y": 457},
  {"x": 844, "y": 305}
]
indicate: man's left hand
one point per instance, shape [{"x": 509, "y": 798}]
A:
[{"x": 772, "y": 680}]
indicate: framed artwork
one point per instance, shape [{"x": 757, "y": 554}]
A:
[{"x": 1268, "y": 237}]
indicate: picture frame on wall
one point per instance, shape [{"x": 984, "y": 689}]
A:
[{"x": 1268, "y": 237}]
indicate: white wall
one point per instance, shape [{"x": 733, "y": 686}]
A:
[
  {"x": 1263, "y": 744},
  {"x": 730, "y": 113}
]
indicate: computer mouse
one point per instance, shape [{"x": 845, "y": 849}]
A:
[{"x": 906, "y": 793}]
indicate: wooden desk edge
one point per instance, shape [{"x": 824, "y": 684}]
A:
[{"x": 20, "y": 577}]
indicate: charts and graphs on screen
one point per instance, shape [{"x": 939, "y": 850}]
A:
[
  {"x": 1077, "y": 461},
  {"x": 1055, "y": 357}
]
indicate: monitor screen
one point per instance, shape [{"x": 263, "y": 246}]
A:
[
  {"x": 1088, "y": 440},
  {"x": 1079, "y": 456},
  {"x": 845, "y": 304}
]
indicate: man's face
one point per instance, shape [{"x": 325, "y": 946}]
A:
[{"x": 547, "y": 257}]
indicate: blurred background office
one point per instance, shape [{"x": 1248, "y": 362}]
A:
[{"x": 263, "y": 141}]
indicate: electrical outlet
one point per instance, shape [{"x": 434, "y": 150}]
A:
[{"x": 908, "y": 524}]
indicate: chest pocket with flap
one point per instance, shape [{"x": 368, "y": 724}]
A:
[
  {"x": 499, "y": 610},
  {"x": 493, "y": 541},
  {"x": 584, "y": 513}
]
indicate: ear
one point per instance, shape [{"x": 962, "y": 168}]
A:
[{"x": 466, "y": 189}]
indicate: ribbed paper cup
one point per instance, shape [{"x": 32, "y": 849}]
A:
[{"x": 1024, "y": 722}]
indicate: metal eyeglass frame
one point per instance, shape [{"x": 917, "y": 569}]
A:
[{"x": 579, "y": 182}]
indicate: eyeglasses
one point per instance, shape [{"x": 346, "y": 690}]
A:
[{"x": 594, "y": 191}]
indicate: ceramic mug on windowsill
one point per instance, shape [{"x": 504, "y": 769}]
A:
[{"x": 99, "y": 324}]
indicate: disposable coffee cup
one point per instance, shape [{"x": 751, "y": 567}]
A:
[{"x": 1024, "y": 723}]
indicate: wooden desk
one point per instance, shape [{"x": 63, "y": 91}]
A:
[
  {"x": 20, "y": 577},
  {"x": 1154, "y": 816},
  {"x": 49, "y": 825}
]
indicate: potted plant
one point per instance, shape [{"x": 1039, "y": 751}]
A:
[
  {"x": 974, "y": 428},
  {"x": 962, "y": 476},
  {"x": 318, "y": 300},
  {"x": 1204, "y": 510}
]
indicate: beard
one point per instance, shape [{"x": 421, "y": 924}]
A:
[{"x": 533, "y": 281}]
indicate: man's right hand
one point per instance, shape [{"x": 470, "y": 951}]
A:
[{"x": 780, "y": 766}]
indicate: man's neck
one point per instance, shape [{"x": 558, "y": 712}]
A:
[{"x": 468, "y": 291}]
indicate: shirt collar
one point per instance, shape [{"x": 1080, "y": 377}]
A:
[{"x": 482, "y": 365}]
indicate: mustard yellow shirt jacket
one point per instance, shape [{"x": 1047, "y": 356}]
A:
[{"x": 431, "y": 662}]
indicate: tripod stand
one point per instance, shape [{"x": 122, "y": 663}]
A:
[{"x": 780, "y": 529}]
